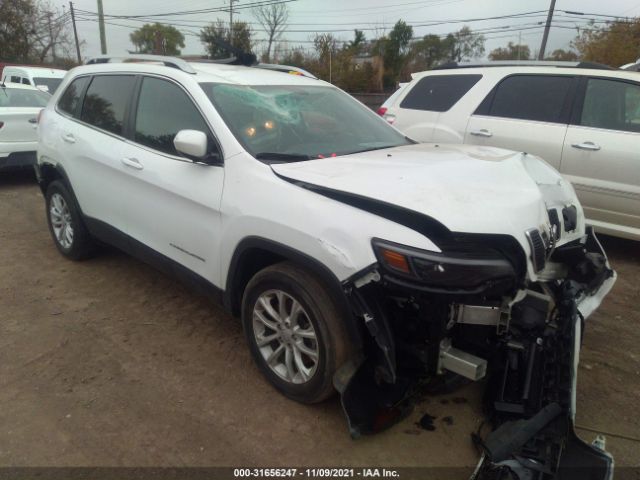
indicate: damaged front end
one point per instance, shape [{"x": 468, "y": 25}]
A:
[{"x": 470, "y": 313}]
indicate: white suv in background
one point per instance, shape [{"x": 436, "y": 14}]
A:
[
  {"x": 583, "y": 120},
  {"x": 355, "y": 257}
]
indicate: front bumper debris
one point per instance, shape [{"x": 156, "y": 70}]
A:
[{"x": 526, "y": 344}]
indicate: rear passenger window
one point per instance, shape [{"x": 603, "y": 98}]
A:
[
  {"x": 612, "y": 105},
  {"x": 106, "y": 100},
  {"x": 70, "y": 99},
  {"x": 26, "y": 81},
  {"x": 531, "y": 97},
  {"x": 163, "y": 110},
  {"x": 438, "y": 93},
  {"x": 15, "y": 79}
]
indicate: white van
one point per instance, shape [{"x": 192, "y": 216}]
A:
[{"x": 46, "y": 79}]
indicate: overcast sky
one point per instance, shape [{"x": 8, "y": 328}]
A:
[{"x": 375, "y": 16}]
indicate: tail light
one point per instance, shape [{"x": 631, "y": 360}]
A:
[
  {"x": 382, "y": 111},
  {"x": 39, "y": 116}
]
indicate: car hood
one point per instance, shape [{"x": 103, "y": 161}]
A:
[{"x": 466, "y": 188}]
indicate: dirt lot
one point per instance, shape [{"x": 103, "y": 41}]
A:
[{"x": 107, "y": 362}]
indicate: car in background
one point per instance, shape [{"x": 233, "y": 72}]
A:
[
  {"x": 582, "y": 118},
  {"x": 45, "y": 79},
  {"x": 19, "y": 109}
]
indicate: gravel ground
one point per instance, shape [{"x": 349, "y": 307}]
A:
[{"x": 109, "y": 363}]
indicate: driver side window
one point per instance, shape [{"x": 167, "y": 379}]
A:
[{"x": 163, "y": 110}]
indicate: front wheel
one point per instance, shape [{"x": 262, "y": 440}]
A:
[{"x": 294, "y": 331}]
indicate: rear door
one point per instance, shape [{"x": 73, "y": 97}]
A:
[
  {"x": 602, "y": 152},
  {"x": 525, "y": 112},
  {"x": 173, "y": 203},
  {"x": 93, "y": 149}
]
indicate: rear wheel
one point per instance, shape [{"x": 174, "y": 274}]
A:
[
  {"x": 294, "y": 331},
  {"x": 65, "y": 224}
]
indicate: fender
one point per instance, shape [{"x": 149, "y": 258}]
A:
[{"x": 239, "y": 274}]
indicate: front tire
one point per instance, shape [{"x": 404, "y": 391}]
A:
[
  {"x": 65, "y": 223},
  {"x": 294, "y": 331}
]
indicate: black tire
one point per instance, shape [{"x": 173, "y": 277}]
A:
[
  {"x": 82, "y": 245},
  {"x": 333, "y": 343}
]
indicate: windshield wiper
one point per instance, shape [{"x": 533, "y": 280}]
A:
[{"x": 285, "y": 157}]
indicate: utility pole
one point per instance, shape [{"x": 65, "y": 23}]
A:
[
  {"x": 75, "y": 31},
  {"x": 231, "y": 2},
  {"x": 520, "y": 45},
  {"x": 103, "y": 37},
  {"x": 547, "y": 27}
]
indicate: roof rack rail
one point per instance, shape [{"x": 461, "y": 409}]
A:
[
  {"x": 524, "y": 63},
  {"x": 172, "y": 62}
]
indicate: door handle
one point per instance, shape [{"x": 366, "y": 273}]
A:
[
  {"x": 33, "y": 121},
  {"x": 586, "y": 146},
  {"x": 69, "y": 138},
  {"x": 132, "y": 162},
  {"x": 483, "y": 132}
]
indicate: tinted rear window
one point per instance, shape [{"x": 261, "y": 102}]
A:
[
  {"x": 438, "y": 93},
  {"x": 106, "y": 101},
  {"x": 70, "y": 99},
  {"x": 531, "y": 97}
]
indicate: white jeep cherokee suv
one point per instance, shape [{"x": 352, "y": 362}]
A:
[
  {"x": 355, "y": 257},
  {"x": 583, "y": 120}
]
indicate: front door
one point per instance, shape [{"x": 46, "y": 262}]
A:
[
  {"x": 602, "y": 154},
  {"x": 173, "y": 202}
]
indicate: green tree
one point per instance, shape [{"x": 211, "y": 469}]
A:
[
  {"x": 215, "y": 37},
  {"x": 615, "y": 44},
  {"x": 511, "y": 52},
  {"x": 394, "y": 50},
  {"x": 465, "y": 45},
  {"x": 562, "y": 55},
  {"x": 16, "y": 29},
  {"x": 429, "y": 52},
  {"x": 358, "y": 41},
  {"x": 157, "y": 38}
]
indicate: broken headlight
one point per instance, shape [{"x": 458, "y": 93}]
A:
[{"x": 447, "y": 270}]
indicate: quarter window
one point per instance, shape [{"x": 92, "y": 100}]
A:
[
  {"x": 70, "y": 99},
  {"x": 106, "y": 102},
  {"x": 25, "y": 81},
  {"x": 163, "y": 110},
  {"x": 438, "y": 93},
  {"x": 611, "y": 104},
  {"x": 531, "y": 97}
]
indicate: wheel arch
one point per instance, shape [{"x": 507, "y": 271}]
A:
[{"x": 253, "y": 253}]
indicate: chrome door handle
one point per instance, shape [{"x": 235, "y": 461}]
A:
[
  {"x": 69, "y": 138},
  {"x": 132, "y": 162},
  {"x": 586, "y": 146},
  {"x": 483, "y": 132}
]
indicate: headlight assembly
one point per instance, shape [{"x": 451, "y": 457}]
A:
[{"x": 455, "y": 271}]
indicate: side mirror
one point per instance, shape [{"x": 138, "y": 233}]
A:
[{"x": 191, "y": 143}]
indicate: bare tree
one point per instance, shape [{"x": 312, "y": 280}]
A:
[
  {"x": 273, "y": 19},
  {"x": 51, "y": 36}
]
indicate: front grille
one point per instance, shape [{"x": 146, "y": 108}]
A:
[
  {"x": 538, "y": 249},
  {"x": 554, "y": 219}
]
